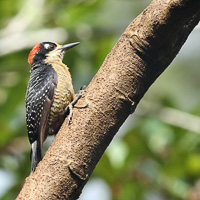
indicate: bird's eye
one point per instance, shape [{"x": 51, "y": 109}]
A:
[{"x": 51, "y": 47}]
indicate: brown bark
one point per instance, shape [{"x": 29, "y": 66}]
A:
[{"x": 142, "y": 53}]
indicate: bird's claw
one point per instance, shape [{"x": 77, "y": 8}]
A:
[{"x": 78, "y": 95}]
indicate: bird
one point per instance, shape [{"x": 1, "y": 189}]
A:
[{"x": 49, "y": 96}]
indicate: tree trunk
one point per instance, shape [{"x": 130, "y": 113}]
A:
[{"x": 142, "y": 53}]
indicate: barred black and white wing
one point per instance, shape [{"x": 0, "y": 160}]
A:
[{"x": 39, "y": 98}]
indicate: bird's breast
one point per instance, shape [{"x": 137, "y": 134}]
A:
[{"x": 63, "y": 95}]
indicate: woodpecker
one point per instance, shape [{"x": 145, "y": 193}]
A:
[{"x": 49, "y": 95}]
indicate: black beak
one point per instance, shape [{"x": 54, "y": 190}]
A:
[{"x": 68, "y": 46}]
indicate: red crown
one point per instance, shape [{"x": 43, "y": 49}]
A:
[{"x": 35, "y": 49}]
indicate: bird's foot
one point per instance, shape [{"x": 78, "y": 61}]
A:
[{"x": 69, "y": 108}]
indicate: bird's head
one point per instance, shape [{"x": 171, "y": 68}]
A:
[{"x": 49, "y": 51}]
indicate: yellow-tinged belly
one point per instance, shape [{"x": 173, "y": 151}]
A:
[{"x": 63, "y": 95}]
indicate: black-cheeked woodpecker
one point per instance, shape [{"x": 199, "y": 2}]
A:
[{"x": 49, "y": 95}]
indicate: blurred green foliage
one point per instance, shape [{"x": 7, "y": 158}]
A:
[{"x": 151, "y": 157}]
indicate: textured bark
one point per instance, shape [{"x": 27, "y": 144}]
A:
[{"x": 142, "y": 53}]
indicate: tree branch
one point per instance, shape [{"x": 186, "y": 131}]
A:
[{"x": 142, "y": 53}]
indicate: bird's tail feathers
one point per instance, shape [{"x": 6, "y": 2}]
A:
[{"x": 36, "y": 156}]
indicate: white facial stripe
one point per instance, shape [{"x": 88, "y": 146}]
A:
[{"x": 46, "y": 46}]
